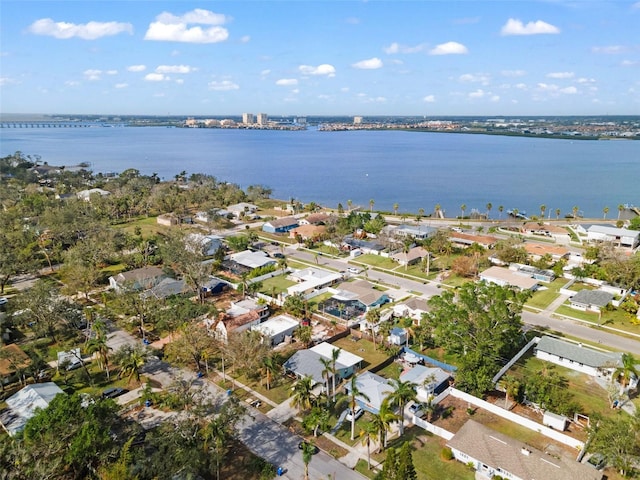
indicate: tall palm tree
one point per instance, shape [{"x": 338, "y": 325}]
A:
[
  {"x": 420, "y": 214},
  {"x": 98, "y": 345},
  {"x": 543, "y": 208},
  {"x": 131, "y": 361},
  {"x": 302, "y": 396},
  {"x": 382, "y": 421},
  {"x": 625, "y": 371},
  {"x": 605, "y": 211},
  {"x": 335, "y": 354},
  {"x": 269, "y": 368},
  {"x": 371, "y": 204},
  {"x": 349, "y": 204},
  {"x": 511, "y": 387},
  {"x": 489, "y": 207},
  {"x": 326, "y": 373},
  {"x": 437, "y": 209},
  {"x": 463, "y": 207},
  {"x": 354, "y": 393},
  {"x": 500, "y": 210},
  {"x": 575, "y": 210},
  {"x": 369, "y": 432},
  {"x": 308, "y": 449},
  {"x": 557, "y": 213},
  {"x": 395, "y": 208},
  {"x": 620, "y": 210},
  {"x": 403, "y": 393}
]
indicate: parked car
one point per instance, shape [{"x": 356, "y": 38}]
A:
[
  {"x": 277, "y": 255},
  {"x": 315, "y": 448},
  {"x": 353, "y": 270},
  {"x": 357, "y": 414},
  {"x": 416, "y": 409},
  {"x": 597, "y": 461},
  {"x": 114, "y": 392}
]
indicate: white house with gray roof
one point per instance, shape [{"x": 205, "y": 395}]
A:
[
  {"x": 596, "y": 363},
  {"x": 591, "y": 300},
  {"x": 22, "y": 405},
  {"x": 620, "y": 236}
]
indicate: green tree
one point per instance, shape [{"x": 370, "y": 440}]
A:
[
  {"x": 403, "y": 392},
  {"x": 390, "y": 466},
  {"x": 382, "y": 422},
  {"x": 605, "y": 211},
  {"x": 543, "y": 208},
  {"x": 489, "y": 207},
  {"x": 500, "y": 210},
  {"x": 308, "y": 449},
  {"x": 335, "y": 354},
  {"x": 302, "y": 396},
  {"x": 626, "y": 371},
  {"x": 130, "y": 359},
  {"x": 98, "y": 346},
  {"x": 463, "y": 207},
  {"x": 617, "y": 439},
  {"x": 368, "y": 434},
  {"x": 354, "y": 393},
  {"x": 395, "y": 208},
  {"x": 406, "y": 469}
]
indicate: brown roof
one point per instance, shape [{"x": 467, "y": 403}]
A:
[
  {"x": 11, "y": 356},
  {"x": 363, "y": 289},
  {"x": 308, "y": 231},
  {"x": 500, "y": 451},
  {"x": 541, "y": 249},
  {"x": 231, "y": 323},
  {"x": 140, "y": 274},
  {"x": 467, "y": 238},
  {"x": 283, "y": 222},
  {"x": 536, "y": 227},
  {"x": 317, "y": 218},
  {"x": 413, "y": 254}
]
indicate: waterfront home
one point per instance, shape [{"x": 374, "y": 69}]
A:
[
  {"x": 467, "y": 239},
  {"x": 541, "y": 229},
  {"x": 620, "y": 237},
  {"x": 308, "y": 232},
  {"x": 24, "y": 404},
  {"x": 138, "y": 279},
  {"x": 280, "y": 225},
  {"x": 536, "y": 251},
  {"x": 419, "y": 232},
  {"x": 242, "y": 209},
  {"x": 491, "y": 453},
  {"x": 505, "y": 277},
  {"x": 277, "y": 329}
]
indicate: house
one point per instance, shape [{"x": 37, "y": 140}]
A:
[
  {"x": 414, "y": 308},
  {"x": 226, "y": 324},
  {"x": 277, "y": 329},
  {"x": 398, "y": 336},
  {"x": 419, "y": 232},
  {"x": 414, "y": 255},
  {"x": 467, "y": 239},
  {"x": 86, "y": 194},
  {"x": 138, "y": 279},
  {"x": 536, "y": 251},
  {"x": 23, "y": 405},
  {"x": 376, "y": 389},
  {"x": 242, "y": 209},
  {"x": 280, "y": 225},
  {"x": 590, "y": 300},
  {"x": 620, "y": 236},
  {"x": 492, "y": 453},
  {"x": 504, "y": 277},
  {"x": 533, "y": 272},
  {"x": 347, "y": 363},
  {"x": 559, "y": 234},
  {"x": 12, "y": 359},
  {"x": 315, "y": 219},
  {"x": 248, "y": 305},
  {"x": 365, "y": 246},
  {"x": 207, "y": 245},
  {"x": 166, "y": 288},
  {"x": 167, "y": 219},
  {"x": 362, "y": 292},
  {"x": 308, "y": 232},
  {"x": 251, "y": 260},
  {"x": 214, "y": 286},
  {"x": 596, "y": 363},
  {"x": 429, "y": 381},
  {"x": 306, "y": 363},
  {"x": 310, "y": 279}
]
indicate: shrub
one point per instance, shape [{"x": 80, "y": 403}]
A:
[{"x": 446, "y": 453}]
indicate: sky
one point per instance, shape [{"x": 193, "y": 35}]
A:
[{"x": 331, "y": 57}]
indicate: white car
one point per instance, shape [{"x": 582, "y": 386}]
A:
[
  {"x": 358, "y": 413},
  {"x": 353, "y": 270},
  {"x": 416, "y": 409}
]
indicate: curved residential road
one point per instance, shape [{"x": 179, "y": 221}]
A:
[{"x": 568, "y": 327}]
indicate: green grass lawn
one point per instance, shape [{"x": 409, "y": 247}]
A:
[
  {"x": 542, "y": 298},
  {"x": 617, "y": 318},
  {"x": 148, "y": 226},
  {"x": 377, "y": 261},
  {"x": 280, "y": 388},
  {"x": 363, "y": 348},
  {"x": 277, "y": 284}
]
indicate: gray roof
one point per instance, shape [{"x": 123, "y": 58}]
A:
[
  {"x": 579, "y": 354},
  {"x": 306, "y": 363},
  {"x": 592, "y": 297},
  {"x": 510, "y": 455},
  {"x": 23, "y": 404}
]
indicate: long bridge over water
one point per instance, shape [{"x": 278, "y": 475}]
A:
[{"x": 57, "y": 124}]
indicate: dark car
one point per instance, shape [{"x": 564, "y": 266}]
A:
[
  {"x": 114, "y": 392},
  {"x": 277, "y": 255},
  {"x": 315, "y": 449}
]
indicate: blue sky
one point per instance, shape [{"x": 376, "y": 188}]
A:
[{"x": 430, "y": 58}]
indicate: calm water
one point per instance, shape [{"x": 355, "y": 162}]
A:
[{"x": 415, "y": 170}]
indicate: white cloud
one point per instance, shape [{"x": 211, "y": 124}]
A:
[
  {"x": 628, "y": 63},
  {"x": 265, "y": 73},
  {"x": 547, "y": 87},
  {"x": 324, "y": 69},
  {"x": 121, "y": 85},
  {"x": 609, "y": 50},
  {"x": 172, "y": 28},
  {"x": 516, "y": 27},
  {"x": 111, "y": 72},
  {"x": 158, "y": 95},
  {"x": 397, "y": 48},
  {"x": 569, "y": 90},
  {"x": 156, "y": 77},
  {"x": 344, "y": 89},
  {"x": 586, "y": 80},
  {"x": 521, "y": 86},
  {"x": 175, "y": 69},
  {"x": 560, "y": 75},
  {"x": 429, "y": 99},
  {"x": 482, "y": 78},
  {"x": 86, "y": 31},
  {"x": 223, "y": 86},
  {"x": 477, "y": 94},
  {"x": 495, "y": 98},
  {"x": 449, "y": 48},
  {"x": 92, "y": 74},
  {"x": 7, "y": 81},
  {"x": 136, "y": 68},
  {"x": 72, "y": 83},
  {"x": 179, "y": 81},
  {"x": 513, "y": 73},
  {"x": 635, "y": 6},
  {"x": 287, "y": 82},
  {"x": 245, "y": 39},
  {"x": 370, "y": 64}
]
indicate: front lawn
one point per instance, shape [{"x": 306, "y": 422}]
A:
[
  {"x": 276, "y": 285},
  {"x": 543, "y": 298},
  {"x": 363, "y": 348}
]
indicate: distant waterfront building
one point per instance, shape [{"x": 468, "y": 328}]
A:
[
  {"x": 301, "y": 120},
  {"x": 357, "y": 120},
  {"x": 262, "y": 119},
  {"x": 248, "y": 118}
]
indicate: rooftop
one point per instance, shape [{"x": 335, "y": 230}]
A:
[
  {"x": 578, "y": 353},
  {"x": 592, "y": 297}
]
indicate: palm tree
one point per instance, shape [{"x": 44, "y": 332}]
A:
[
  {"x": 335, "y": 354},
  {"x": 625, "y": 371},
  {"x": 326, "y": 373},
  {"x": 369, "y": 432},
  {"x": 430, "y": 408},
  {"x": 500, "y": 210},
  {"x": 371, "y": 204},
  {"x": 605, "y": 210},
  {"x": 511, "y": 387},
  {"x": 373, "y": 317},
  {"x": 395, "y": 208},
  {"x": 269, "y": 368},
  {"x": 463, "y": 207},
  {"x": 557, "y": 213},
  {"x": 543, "y": 208},
  {"x": 355, "y": 392},
  {"x": 382, "y": 421},
  {"x": 308, "y": 449},
  {"x": 620, "y": 210},
  {"x": 420, "y": 214},
  {"x": 575, "y": 210},
  {"x": 403, "y": 393},
  {"x": 98, "y": 345},
  {"x": 302, "y": 395},
  {"x": 216, "y": 435},
  {"x": 349, "y": 204},
  {"x": 489, "y": 207},
  {"x": 131, "y": 361},
  {"x": 437, "y": 209}
]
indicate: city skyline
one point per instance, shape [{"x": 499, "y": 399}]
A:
[{"x": 321, "y": 58}]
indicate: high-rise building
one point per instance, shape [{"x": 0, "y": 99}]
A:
[
  {"x": 247, "y": 119},
  {"x": 357, "y": 120},
  {"x": 261, "y": 119}
]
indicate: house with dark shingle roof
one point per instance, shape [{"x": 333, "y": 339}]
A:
[
  {"x": 280, "y": 225},
  {"x": 596, "y": 363},
  {"x": 137, "y": 279},
  {"x": 492, "y": 453},
  {"x": 593, "y": 300}
]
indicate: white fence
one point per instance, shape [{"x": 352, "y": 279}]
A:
[
  {"x": 429, "y": 427},
  {"x": 525, "y": 349}
]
